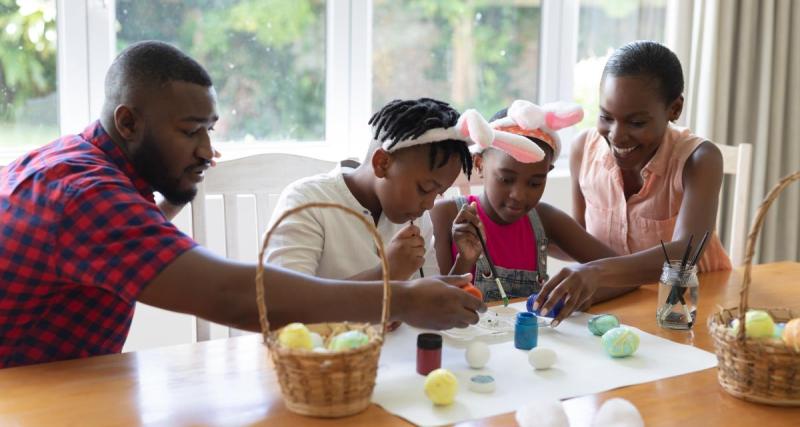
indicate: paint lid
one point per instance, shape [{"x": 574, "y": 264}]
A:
[{"x": 429, "y": 341}]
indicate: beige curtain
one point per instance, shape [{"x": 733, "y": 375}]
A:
[{"x": 743, "y": 86}]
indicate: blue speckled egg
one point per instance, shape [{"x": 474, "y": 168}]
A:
[
  {"x": 620, "y": 342},
  {"x": 602, "y": 323}
]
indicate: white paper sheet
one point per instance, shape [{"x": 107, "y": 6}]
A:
[{"x": 582, "y": 367}]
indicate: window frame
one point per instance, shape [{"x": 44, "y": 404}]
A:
[{"x": 87, "y": 40}]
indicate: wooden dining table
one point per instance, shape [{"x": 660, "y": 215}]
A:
[{"x": 231, "y": 381}]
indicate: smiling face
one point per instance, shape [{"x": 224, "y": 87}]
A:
[
  {"x": 634, "y": 117},
  {"x": 511, "y": 188},
  {"x": 173, "y": 148}
]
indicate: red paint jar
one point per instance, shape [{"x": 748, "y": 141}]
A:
[{"x": 429, "y": 353}]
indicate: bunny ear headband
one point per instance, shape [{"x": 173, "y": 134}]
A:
[{"x": 524, "y": 119}]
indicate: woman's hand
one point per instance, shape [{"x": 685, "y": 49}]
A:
[{"x": 575, "y": 284}]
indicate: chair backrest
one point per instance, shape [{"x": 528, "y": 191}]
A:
[
  {"x": 736, "y": 161},
  {"x": 238, "y": 181}
]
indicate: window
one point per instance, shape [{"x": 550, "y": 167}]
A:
[
  {"x": 28, "y": 96},
  {"x": 479, "y": 55},
  {"x": 267, "y": 59},
  {"x": 604, "y": 26}
]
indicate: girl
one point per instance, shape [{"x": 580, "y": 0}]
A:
[
  {"x": 517, "y": 228},
  {"x": 638, "y": 179}
]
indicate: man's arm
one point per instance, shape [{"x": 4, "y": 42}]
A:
[{"x": 223, "y": 291}]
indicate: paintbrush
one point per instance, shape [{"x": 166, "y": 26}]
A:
[
  {"x": 699, "y": 249},
  {"x": 491, "y": 266},
  {"x": 421, "y": 273}
]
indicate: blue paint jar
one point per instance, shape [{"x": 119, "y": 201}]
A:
[
  {"x": 526, "y": 331},
  {"x": 552, "y": 313}
]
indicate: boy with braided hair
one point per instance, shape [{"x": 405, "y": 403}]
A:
[{"x": 415, "y": 155}]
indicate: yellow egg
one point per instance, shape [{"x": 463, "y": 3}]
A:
[
  {"x": 759, "y": 324},
  {"x": 791, "y": 334},
  {"x": 295, "y": 335},
  {"x": 441, "y": 386}
]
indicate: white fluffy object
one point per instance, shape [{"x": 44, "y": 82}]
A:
[
  {"x": 542, "y": 413},
  {"x": 618, "y": 412}
]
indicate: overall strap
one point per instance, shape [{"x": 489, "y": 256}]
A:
[{"x": 541, "y": 244}]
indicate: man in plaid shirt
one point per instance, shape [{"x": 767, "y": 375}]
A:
[{"x": 81, "y": 238}]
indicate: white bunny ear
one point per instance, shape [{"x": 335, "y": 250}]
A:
[
  {"x": 559, "y": 115},
  {"x": 526, "y": 114},
  {"x": 472, "y": 124}
]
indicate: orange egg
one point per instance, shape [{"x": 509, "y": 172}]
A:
[
  {"x": 472, "y": 290},
  {"x": 791, "y": 334}
]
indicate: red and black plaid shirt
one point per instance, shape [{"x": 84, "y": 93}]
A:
[{"x": 80, "y": 238}]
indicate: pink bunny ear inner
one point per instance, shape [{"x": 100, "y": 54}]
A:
[
  {"x": 518, "y": 147},
  {"x": 560, "y": 119}
]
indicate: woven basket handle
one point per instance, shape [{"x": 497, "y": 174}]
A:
[
  {"x": 752, "y": 237},
  {"x": 262, "y": 306}
]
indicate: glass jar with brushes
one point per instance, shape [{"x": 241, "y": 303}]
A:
[{"x": 678, "y": 288}]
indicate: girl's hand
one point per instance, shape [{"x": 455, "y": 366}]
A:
[
  {"x": 576, "y": 284},
  {"x": 465, "y": 236}
]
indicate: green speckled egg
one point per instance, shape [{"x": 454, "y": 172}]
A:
[
  {"x": 348, "y": 340},
  {"x": 602, "y": 323},
  {"x": 620, "y": 342}
]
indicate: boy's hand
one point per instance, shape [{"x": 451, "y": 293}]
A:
[
  {"x": 437, "y": 302},
  {"x": 464, "y": 235},
  {"x": 576, "y": 284},
  {"x": 405, "y": 253}
]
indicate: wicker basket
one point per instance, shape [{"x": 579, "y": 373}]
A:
[
  {"x": 758, "y": 370},
  {"x": 334, "y": 384}
]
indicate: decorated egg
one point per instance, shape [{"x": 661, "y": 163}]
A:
[
  {"x": 477, "y": 354},
  {"x": 472, "y": 290},
  {"x": 541, "y": 358},
  {"x": 296, "y": 336},
  {"x": 441, "y": 386},
  {"x": 316, "y": 340},
  {"x": 552, "y": 313},
  {"x": 778, "y": 332},
  {"x": 602, "y": 323},
  {"x": 348, "y": 341},
  {"x": 791, "y": 334},
  {"x": 620, "y": 342},
  {"x": 758, "y": 324}
]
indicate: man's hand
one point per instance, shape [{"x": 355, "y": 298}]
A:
[{"x": 437, "y": 302}]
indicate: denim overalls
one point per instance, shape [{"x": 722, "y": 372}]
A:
[{"x": 516, "y": 283}]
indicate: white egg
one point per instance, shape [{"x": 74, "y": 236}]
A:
[
  {"x": 477, "y": 354},
  {"x": 316, "y": 340},
  {"x": 542, "y": 413},
  {"x": 542, "y": 358},
  {"x": 618, "y": 413}
]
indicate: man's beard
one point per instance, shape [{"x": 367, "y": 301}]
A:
[{"x": 152, "y": 167}]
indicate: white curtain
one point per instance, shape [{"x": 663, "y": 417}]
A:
[{"x": 742, "y": 63}]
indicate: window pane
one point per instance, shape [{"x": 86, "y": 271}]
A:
[
  {"x": 602, "y": 27},
  {"x": 266, "y": 57},
  {"x": 28, "y": 98},
  {"x": 479, "y": 54}
]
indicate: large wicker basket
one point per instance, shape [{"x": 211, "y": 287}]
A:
[
  {"x": 330, "y": 384},
  {"x": 758, "y": 370}
]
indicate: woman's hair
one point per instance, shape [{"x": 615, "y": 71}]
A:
[
  {"x": 648, "y": 59},
  {"x": 405, "y": 119}
]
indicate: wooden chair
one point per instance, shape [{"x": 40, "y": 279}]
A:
[{"x": 262, "y": 177}]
